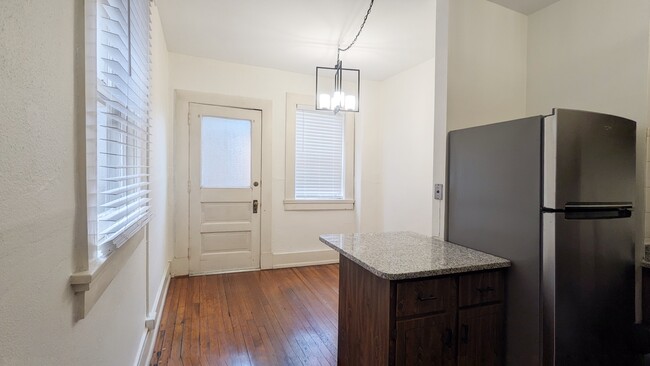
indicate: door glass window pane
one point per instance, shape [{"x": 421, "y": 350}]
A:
[{"x": 225, "y": 153}]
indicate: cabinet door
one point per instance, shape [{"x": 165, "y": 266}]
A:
[
  {"x": 426, "y": 341},
  {"x": 480, "y": 336}
]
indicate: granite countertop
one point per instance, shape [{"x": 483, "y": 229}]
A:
[{"x": 404, "y": 255}]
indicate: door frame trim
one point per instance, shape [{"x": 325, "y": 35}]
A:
[{"x": 182, "y": 100}]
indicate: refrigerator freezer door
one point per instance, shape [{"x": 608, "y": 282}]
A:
[
  {"x": 592, "y": 301},
  {"x": 493, "y": 205},
  {"x": 594, "y": 158}
]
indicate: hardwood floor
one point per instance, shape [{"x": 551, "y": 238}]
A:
[{"x": 274, "y": 317}]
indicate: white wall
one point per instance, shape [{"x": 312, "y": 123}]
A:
[
  {"x": 39, "y": 206},
  {"x": 406, "y": 106},
  {"x": 593, "y": 55},
  {"x": 368, "y": 156},
  {"x": 293, "y": 232},
  {"x": 161, "y": 227},
  {"x": 487, "y": 64},
  {"x": 440, "y": 107}
]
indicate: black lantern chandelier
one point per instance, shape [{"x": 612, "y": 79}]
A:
[{"x": 337, "y": 88}]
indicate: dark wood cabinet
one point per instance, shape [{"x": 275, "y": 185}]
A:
[
  {"x": 443, "y": 320},
  {"x": 426, "y": 341},
  {"x": 480, "y": 336}
]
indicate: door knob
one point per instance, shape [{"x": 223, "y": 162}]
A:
[
  {"x": 255, "y": 184},
  {"x": 255, "y": 204}
]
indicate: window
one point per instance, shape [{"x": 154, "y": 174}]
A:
[
  {"x": 225, "y": 147},
  {"x": 319, "y": 162},
  {"x": 118, "y": 138},
  {"x": 319, "y": 155},
  {"x": 116, "y": 54}
]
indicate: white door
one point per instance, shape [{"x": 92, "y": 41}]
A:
[{"x": 225, "y": 168}]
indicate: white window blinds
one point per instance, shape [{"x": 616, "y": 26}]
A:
[
  {"x": 319, "y": 155},
  {"x": 122, "y": 126}
]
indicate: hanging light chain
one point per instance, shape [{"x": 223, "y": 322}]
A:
[
  {"x": 338, "y": 53},
  {"x": 338, "y": 100}
]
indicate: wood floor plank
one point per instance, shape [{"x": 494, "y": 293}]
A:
[
  {"x": 285, "y": 321},
  {"x": 179, "y": 320},
  {"x": 273, "y": 317},
  {"x": 292, "y": 290},
  {"x": 165, "y": 332},
  {"x": 288, "y": 352}
]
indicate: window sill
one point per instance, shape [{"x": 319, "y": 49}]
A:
[
  {"x": 318, "y": 205},
  {"x": 90, "y": 285}
]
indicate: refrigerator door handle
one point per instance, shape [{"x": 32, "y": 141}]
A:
[
  {"x": 585, "y": 206},
  {"x": 593, "y": 210},
  {"x": 620, "y": 213},
  {"x": 596, "y": 211}
]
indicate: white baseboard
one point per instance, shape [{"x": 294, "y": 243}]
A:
[
  {"x": 180, "y": 267},
  {"x": 144, "y": 358},
  {"x": 266, "y": 260},
  {"x": 308, "y": 258}
]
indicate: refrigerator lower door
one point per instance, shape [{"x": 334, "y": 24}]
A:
[{"x": 588, "y": 291}]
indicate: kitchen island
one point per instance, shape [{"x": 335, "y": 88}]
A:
[{"x": 409, "y": 299}]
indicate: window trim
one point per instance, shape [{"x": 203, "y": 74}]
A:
[{"x": 290, "y": 201}]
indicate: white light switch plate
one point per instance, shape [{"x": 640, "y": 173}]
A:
[{"x": 437, "y": 192}]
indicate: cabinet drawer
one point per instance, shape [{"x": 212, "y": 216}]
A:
[
  {"x": 425, "y": 296},
  {"x": 480, "y": 288}
]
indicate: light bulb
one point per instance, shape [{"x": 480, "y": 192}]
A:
[
  {"x": 350, "y": 102},
  {"x": 337, "y": 99},
  {"x": 324, "y": 101}
]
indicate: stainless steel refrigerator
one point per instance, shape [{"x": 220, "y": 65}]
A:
[{"x": 554, "y": 194}]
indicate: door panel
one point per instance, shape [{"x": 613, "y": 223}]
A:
[
  {"x": 595, "y": 158},
  {"x": 226, "y": 212},
  {"x": 225, "y": 160},
  {"x": 226, "y": 242}
]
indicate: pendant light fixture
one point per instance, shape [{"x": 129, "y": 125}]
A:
[{"x": 337, "y": 88}]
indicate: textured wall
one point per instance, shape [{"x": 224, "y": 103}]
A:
[
  {"x": 487, "y": 64},
  {"x": 407, "y": 125},
  {"x": 38, "y": 203},
  {"x": 161, "y": 227}
]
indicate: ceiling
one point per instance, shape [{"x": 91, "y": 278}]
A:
[
  {"x": 525, "y": 6},
  {"x": 298, "y": 35}
]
